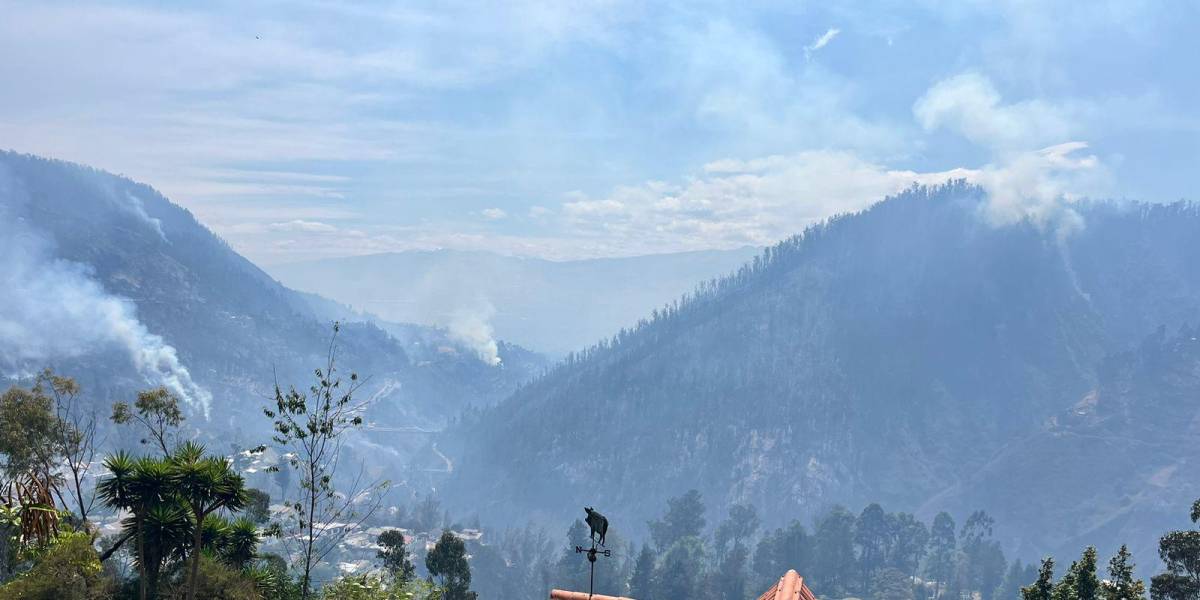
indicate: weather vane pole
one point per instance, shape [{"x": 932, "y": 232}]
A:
[{"x": 598, "y": 523}]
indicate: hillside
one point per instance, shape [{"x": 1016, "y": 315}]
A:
[
  {"x": 122, "y": 289},
  {"x": 1116, "y": 466},
  {"x": 554, "y": 307},
  {"x": 884, "y": 356}
]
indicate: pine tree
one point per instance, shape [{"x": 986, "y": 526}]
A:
[
  {"x": 641, "y": 585},
  {"x": 1087, "y": 584},
  {"x": 1121, "y": 585},
  {"x": 684, "y": 518},
  {"x": 680, "y": 575},
  {"x": 572, "y": 566},
  {"x": 1043, "y": 588},
  {"x": 1065, "y": 588},
  {"x": 1010, "y": 587}
]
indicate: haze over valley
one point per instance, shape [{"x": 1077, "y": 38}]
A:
[{"x": 713, "y": 301}]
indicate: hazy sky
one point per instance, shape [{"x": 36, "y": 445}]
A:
[{"x": 299, "y": 129}]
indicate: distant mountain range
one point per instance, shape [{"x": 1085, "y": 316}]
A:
[
  {"x": 109, "y": 282},
  {"x": 548, "y": 306},
  {"x": 912, "y": 354}
]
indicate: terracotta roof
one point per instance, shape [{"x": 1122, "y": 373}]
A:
[
  {"x": 565, "y": 595},
  {"x": 790, "y": 587}
]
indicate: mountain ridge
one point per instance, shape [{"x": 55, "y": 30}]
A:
[{"x": 881, "y": 356}]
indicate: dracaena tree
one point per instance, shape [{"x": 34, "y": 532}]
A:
[
  {"x": 145, "y": 487},
  {"x": 203, "y": 485}
]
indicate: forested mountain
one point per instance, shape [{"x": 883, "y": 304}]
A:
[
  {"x": 1115, "y": 466},
  {"x": 896, "y": 355},
  {"x": 549, "y": 306},
  {"x": 109, "y": 282}
]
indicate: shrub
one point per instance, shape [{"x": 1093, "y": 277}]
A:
[{"x": 68, "y": 570}]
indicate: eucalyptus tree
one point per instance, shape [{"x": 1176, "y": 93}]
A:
[{"x": 157, "y": 410}]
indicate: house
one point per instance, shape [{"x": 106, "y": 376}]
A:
[
  {"x": 790, "y": 587},
  {"x": 565, "y": 595}
]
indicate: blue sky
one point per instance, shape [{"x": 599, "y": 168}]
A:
[{"x": 308, "y": 129}]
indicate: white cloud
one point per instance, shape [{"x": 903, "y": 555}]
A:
[
  {"x": 493, "y": 214},
  {"x": 736, "y": 203},
  {"x": 970, "y": 105},
  {"x": 821, "y": 41},
  {"x": 301, "y": 225}
]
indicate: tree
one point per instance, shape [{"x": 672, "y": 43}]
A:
[
  {"x": 203, "y": 485},
  {"x": 891, "y": 584},
  {"x": 27, "y": 434},
  {"x": 145, "y": 487},
  {"x": 741, "y": 525},
  {"x": 731, "y": 572},
  {"x": 1121, "y": 584},
  {"x": 238, "y": 542},
  {"x": 1043, "y": 588},
  {"x": 641, "y": 585},
  {"x": 395, "y": 557},
  {"x": 871, "y": 533},
  {"x": 68, "y": 570},
  {"x": 74, "y": 436},
  {"x": 448, "y": 562},
  {"x": 684, "y": 518},
  {"x": 1017, "y": 574},
  {"x": 258, "y": 505},
  {"x": 157, "y": 410},
  {"x": 834, "y": 563},
  {"x": 1087, "y": 584},
  {"x": 312, "y": 425},
  {"x": 910, "y": 539},
  {"x": 942, "y": 552},
  {"x": 1065, "y": 588},
  {"x": 1180, "y": 554},
  {"x": 730, "y": 541},
  {"x": 780, "y": 550},
  {"x": 572, "y": 570},
  {"x": 985, "y": 560},
  {"x": 679, "y": 574}
]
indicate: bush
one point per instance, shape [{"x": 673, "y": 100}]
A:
[
  {"x": 217, "y": 581},
  {"x": 68, "y": 570},
  {"x": 369, "y": 587}
]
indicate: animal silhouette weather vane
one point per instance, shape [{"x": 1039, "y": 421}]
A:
[{"x": 598, "y": 523}]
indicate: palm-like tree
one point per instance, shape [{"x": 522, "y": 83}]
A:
[
  {"x": 144, "y": 487},
  {"x": 204, "y": 485},
  {"x": 241, "y": 543}
]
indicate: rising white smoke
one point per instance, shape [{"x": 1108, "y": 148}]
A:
[
  {"x": 1043, "y": 186},
  {"x": 53, "y": 308},
  {"x": 472, "y": 327}
]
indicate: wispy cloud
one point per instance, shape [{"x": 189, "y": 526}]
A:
[
  {"x": 416, "y": 125},
  {"x": 821, "y": 41}
]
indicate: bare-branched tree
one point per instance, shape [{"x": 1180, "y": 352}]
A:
[{"x": 310, "y": 427}]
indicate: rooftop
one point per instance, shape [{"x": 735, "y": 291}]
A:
[{"x": 790, "y": 587}]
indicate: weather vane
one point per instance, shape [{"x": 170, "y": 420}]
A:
[{"x": 599, "y": 526}]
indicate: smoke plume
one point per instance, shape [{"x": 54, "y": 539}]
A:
[
  {"x": 53, "y": 308},
  {"x": 472, "y": 327}
]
